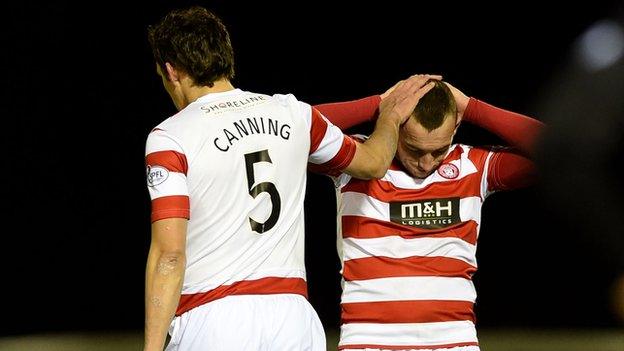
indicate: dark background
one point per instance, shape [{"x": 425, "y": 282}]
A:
[{"x": 80, "y": 95}]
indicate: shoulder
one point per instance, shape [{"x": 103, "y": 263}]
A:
[
  {"x": 480, "y": 155},
  {"x": 284, "y": 99},
  {"x": 291, "y": 102},
  {"x": 167, "y": 134},
  {"x": 160, "y": 139},
  {"x": 484, "y": 151}
]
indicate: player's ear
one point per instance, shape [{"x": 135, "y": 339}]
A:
[
  {"x": 457, "y": 123},
  {"x": 172, "y": 74}
]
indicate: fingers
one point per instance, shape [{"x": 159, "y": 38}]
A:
[
  {"x": 422, "y": 85},
  {"x": 404, "y": 98},
  {"x": 391, "y": 89},
  {"x": 424, "y": 90},
  {"x": 397, "y": 84},
  {"x": 416, "y": 82}
]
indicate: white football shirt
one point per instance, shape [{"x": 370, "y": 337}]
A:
[{"x": 234, "y": 164}]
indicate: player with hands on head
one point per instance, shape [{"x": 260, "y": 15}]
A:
[{"x": 408, "y": 240}]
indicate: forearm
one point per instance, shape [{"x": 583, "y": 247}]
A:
[
  {"x": 351, "y": 113},
  {"x": 376, "y": 153},
  {"x": 164, "y": 277},
  {"x": 519, "y": 131}
]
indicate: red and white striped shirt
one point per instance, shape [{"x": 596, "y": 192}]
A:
[
  {"x": 234, "y": 164},
  {"x": 408, "y": 249}
]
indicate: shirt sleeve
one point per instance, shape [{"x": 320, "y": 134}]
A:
[
  {"x": 351, "y": 113},
  {"x": 519, "y": 131},
  {"x": 330, "y": 150},
  {"x": 166, "y": 176},
  {"x": 508, "y": 170}
]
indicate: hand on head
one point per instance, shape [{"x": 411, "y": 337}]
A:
[
  {"x": 461, "y": 100},
  {"x": 404, "y": 96}
]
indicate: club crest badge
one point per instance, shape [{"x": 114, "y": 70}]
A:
[{"x": 448, "y": 171}]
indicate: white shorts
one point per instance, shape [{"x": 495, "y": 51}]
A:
[
  {"x": 458, "y": 348},
  {"x": 280, "y": 322}
]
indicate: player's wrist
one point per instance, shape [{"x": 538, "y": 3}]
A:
[{"x": 391, "y": 117}]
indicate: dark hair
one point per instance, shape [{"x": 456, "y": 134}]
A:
[
  {"x": 194, "y": 41},
  {"x": 433, "y": 108}
]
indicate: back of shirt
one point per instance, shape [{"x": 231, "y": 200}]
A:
[{"x": 234, "y": 163}]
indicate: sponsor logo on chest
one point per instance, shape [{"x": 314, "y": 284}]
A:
[{"x": 426, "y": 214}]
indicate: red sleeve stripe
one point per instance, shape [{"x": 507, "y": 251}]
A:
[
  {"x": 360, "y": 227},
  {"x": 176, "y": 206},
  {"x": 339, "y": 162},
  {"x": 270, "y": 285},
  {"x": 344, "y": 156},
  {"x": 172, "y": 160},
  {"x": 418, "y": 311},
  {"x": 318, "y": 127},
  {"x": 387, "y": 267}
]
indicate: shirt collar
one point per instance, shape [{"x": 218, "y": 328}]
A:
[{"x": 217, "y": 96}]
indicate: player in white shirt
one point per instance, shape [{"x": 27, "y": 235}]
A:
[{"x": 227, "y": 178}]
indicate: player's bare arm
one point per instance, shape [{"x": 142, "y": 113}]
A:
[
  {"x": 163, "y": 279},
  {"x": 373, "y": 157}
]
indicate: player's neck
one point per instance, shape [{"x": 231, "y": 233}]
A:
[{"x": 193, "y": 92}]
